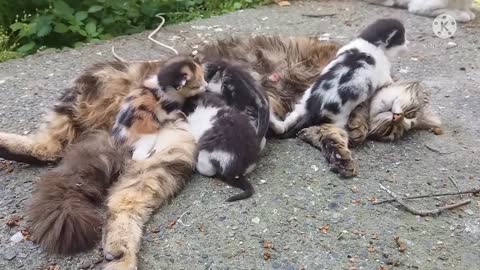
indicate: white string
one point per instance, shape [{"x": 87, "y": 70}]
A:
[
  {"x": 119, "y": 58},
  {"x": 179, "y": 220},
  {"x": 150, "y": 37}
]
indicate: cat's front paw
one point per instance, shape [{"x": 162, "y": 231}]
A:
[
  {"x": 121, "y": 264},
  {"x": 118, "y": 256},
  {"x": 340, "y": 160}
]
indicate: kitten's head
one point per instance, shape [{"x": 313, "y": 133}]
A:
[
  {"x": 398, "y": 108},
  {"x": 180, "y": 76},
  {"x": 389, "y": 34}
]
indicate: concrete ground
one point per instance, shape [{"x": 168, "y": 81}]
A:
[{"x": 307, "y": 216}]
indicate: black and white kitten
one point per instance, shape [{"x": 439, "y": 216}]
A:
[
  {"x": 229, "y": 123},
  {"x": 359, "y": 69},
  {"x": 227, "y": 143},
  {"x": 239, "y": 88}
]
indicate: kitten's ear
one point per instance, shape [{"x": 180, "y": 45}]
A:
[
  {"x": 151, "y": 82},
  {"x": 390, "y": 37},
  {"x": 183, "y": 80}
]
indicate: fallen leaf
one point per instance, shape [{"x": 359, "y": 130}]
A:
[
  {"x": 371, "y": 248},
  {"x": 359, "y": 232},
  {"x": 172, "y": 223},
  {"x": 6, "y": 166},
  {"x": 155, "y": 230},
  {"x": 282, "y": 3},
  {"x": 26, "y": 235},
  {"x": 52, "y": 267},
  {"x": 267, "y": 244},
  {"x": 13, "y": 221},
  {"x": 267, "y": 255},
  {"x": 201, "y": 227},
  {"x": 356, "y": 201},
  {"x": 401, "y": 244},
  {"x": 375, "y": 236},
  {"x": 324, "y": 228},
  {"x": 383, "y": 267}
]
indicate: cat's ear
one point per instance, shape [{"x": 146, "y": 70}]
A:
[{"x": 151, "y": 83}]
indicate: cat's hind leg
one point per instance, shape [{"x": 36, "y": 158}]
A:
[
  {"x": 145, "y": 185},
  {"x": 333, "y": 141},
  {"x": 45, "y": 145}
]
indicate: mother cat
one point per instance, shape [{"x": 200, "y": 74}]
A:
[{"x": 287, "y": 66}]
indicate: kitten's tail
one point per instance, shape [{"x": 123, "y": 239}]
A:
[
  {"x": 244, "y": 184},
  {"x": 62, "y": 212}
]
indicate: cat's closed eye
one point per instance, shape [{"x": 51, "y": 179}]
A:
[{"x": 410, "y": 114}]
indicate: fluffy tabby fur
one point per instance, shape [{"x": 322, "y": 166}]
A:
[
  {"x": 92, "y": 103},
  {"x": 62, "y": 211}
]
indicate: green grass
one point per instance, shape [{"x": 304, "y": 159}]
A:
[{"x": 31, "y": 25}]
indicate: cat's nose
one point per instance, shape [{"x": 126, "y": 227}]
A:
[{"x": 397, "y": 117}]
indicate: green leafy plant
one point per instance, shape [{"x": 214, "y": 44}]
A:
[{"x": 61, "y": 23}]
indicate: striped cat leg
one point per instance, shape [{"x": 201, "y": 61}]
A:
[
  {"x": 333, "y": 141},
  {"x": 145, "y": 185},
  {"x": 45, "y": 145}
]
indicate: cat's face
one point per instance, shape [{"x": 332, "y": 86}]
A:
[
  {"x": 389, "y": 34},
  {"x": 180, "y": 76},
  {"x": 398, "y": 108}
]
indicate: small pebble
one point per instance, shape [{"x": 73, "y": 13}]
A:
[
  {"x": 10, "y": 255},
  {"x": 22, "y": 255},
  {"x": 16, "y": 238},
  {"x": 451, "y": 44},
  {"x": 256, "y": 220}
]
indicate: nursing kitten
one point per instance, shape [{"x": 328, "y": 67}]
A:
[
  {"x": 401, "y": 107},
  {"x": 228, "y": 145},
  {"x": 359, "y": 69},
  {"x": 182, "y": 77},
  {"x": 458, "y": 9},
  {"x": 238, "y": 87},
  {"x": 145, "y": 110}
]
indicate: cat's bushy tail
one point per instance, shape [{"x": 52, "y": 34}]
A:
[{"x": 62, "y": 213}]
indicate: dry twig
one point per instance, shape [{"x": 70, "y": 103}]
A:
[
  {"x": 414, "y": 211},
  {"x": 471, "y": 191}
]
